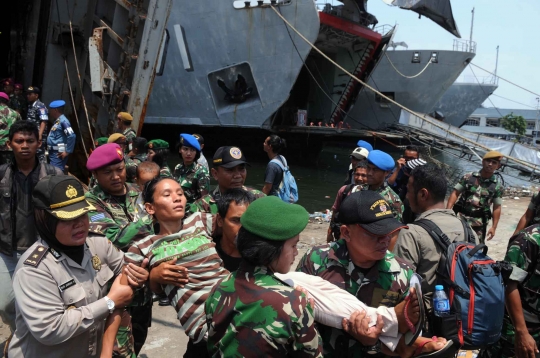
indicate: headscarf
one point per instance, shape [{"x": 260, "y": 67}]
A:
[{"x": 46, "y": 226}]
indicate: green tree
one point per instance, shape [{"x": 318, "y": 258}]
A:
[{"x": 514, "y": 124}]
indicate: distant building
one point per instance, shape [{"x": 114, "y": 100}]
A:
[{"x": 488, "y": 121}]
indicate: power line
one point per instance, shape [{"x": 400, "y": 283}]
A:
[
  {"x": 488, "y": 97},
  {"x": 508, "y": 99},
  {"x": 523, "y": 88}
]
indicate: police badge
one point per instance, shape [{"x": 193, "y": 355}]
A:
[{"x": 96, "y": 263}]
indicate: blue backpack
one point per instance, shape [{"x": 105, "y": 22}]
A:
[
  {"x": 474, "y": 285},
  {"x": 288, "y": 190}
]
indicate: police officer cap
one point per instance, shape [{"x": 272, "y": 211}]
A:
[
  {"x": 61, "y": 196},
  {"x": 187, "y": 140},
  {"x": 57, "y": 104},
  {"x": 493, "y": 155},
  {"x": 107, "y": 154},
  {"x": 273, "y": 219},
  {"x": 381, "y": 160},
  {"x": 115, "y": 136},
  {"x": 157, "y": 144},
  {"x": 364, "y": 144},
  {"x": 32, "y": 89},
  {"x": 368, "y": 209},
  {"x": 229, "y": 157}
]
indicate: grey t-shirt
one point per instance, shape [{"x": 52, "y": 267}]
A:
[{"x": 274, "y": 175}]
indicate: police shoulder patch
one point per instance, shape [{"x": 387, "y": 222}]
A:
[{"x": 36, "y": 256}]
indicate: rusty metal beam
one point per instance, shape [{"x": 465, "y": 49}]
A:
[{"x": 113, "y": 35}]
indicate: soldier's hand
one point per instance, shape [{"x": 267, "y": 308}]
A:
[
  {"x": 169, "y": 274},
  {"x": 525, "y": 345},
  {"x": 358, "y": 327},
  {"x": 121, "y": 294},
  {"x": 490, "y": 234},
  {"x": 310, "y": 299},
  {"x": 137, "y": 276}
]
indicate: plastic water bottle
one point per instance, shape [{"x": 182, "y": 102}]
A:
[{"x": 441, "y": 305}]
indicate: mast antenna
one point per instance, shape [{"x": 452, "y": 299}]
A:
[
  {"x": 496, "y": 79},
  {"x": 472, "y": 25}
]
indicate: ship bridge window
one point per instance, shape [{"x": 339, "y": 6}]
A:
[
  {"x": 383, "y": 102},
  {"x": 472, "y": 122},
  {"x": 415, "y": 57},
  {"x": 435, "y": 57}
]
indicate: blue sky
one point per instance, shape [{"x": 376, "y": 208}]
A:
[{"x": 513, "y": 25}]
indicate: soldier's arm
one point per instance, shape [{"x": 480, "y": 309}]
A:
[
  {"x": 452, "y": 199},
  {"x": 525, "y": 219},
  {"x": 70, "y": 135},
  {"x": 307, "y": 340},
  {"x": 101, "y": 222},
  {"x": 203, "y": 181},
  {"x": 42, "y": 126}
]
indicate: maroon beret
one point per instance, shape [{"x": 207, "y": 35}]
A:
[{"x": 107, "y": 154}]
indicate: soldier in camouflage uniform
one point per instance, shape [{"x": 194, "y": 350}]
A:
[
  {"x": 230, "y": 172},
  {"x": 113, "y": 217},
  {"x": 252, "y": 312},
  {"x": 138, "y": 150},
  {"x": 158, "y": 151},
  {"x": 14, "y": 101},
  {"x": 521, "y": 326},
  {"x": 7, "y": 118},
  {"x": 38, "y": 114},
  {"x": 476, "y": 192},
  {"x": 192, "y": 176},
  {"x": 131, "y": 166},
  {"x": 124, "y": 127},
  {"x": 360, "y": 264},
  {"x": 21, "y": 99}
]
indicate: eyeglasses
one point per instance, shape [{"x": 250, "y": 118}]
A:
[{"x": 188, "y": 149}]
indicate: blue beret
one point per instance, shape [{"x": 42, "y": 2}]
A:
[
  {"x": 381, "y": 160},
  {"x": 188, "y": 140},
  {"x": 364, "y": 144},
  {"x": 57, "y": 104},
  {"x": 104, "y": 155}
]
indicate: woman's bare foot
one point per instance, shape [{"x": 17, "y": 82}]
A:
[
  {"x": 428, "y": 346},
  {"x": 413, "y": 311}
]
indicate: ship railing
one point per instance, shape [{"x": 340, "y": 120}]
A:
[
  {"x": 464, "y": 45},
  {"x": 383, "y": 29},
  {"x": 491, "y": 80}
]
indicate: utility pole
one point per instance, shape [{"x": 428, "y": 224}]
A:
[
  {"x": 472, "y": 25},
  {"x": 536, "y": 124},
  {"x": 496, "y": 79}
]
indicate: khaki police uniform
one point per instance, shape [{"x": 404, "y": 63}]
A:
[{"x": 60, "y": 307}]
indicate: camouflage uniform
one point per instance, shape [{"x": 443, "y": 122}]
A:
[
  {"x": 7, "y": 118},
  {"x": 131, "y": 169},
  {"x": 139, "y": 158},
  {"x": 130, "y": 134},
  {"x": 534, "y": 205},
  {"x": 252, "y": 313},
  {"x": 524, "y": 254},
  {"x": 396, "y": 205},
  {"x": 194, "y": 180},
  {"x": 476, "y": 199},
  {"x": 385, "y": 284},
  {"x": 115, "y": 220},
  {"x": 207, "y": 204},
  {"x": 165, "y": 172},
  {"x": 17, "y": 103}
]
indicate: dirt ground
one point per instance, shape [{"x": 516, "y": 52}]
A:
[{"x": 166, "y": 339}]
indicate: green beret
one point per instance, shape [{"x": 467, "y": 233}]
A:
[
  {"x": 157, "y": 144},
  {"x": 273, "y": 219},
  {"x": 101, "y": 141}
]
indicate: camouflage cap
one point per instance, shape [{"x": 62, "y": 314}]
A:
[
  {"x": 157, "y": 144},
  {"x": 493, "y": 154},
  {"x": 273, "y": 219},
  {"x": 61, "y": 196}
]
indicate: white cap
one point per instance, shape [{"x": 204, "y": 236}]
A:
[{"x": 360, "y": 153}]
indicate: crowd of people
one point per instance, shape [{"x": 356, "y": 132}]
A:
[{"x": 82, "y": 265}]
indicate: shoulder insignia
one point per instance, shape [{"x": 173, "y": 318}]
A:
[{"x": 36, "y": 256}]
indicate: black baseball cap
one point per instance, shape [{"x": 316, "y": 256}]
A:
[
  {"x": 229, "y": 157},
  {"x": 368, "y": 209},
  {"x": 61, "y": 196},
  {"x": 32, "y": 89}
]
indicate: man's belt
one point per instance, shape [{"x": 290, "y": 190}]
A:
[{"x": 52, "y": 147}]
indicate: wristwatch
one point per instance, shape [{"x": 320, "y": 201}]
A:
[
  {"x": 374, "y": 349},
  {"x": 110, "y": 304}
]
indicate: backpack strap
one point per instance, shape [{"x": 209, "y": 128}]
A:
[
  {"x": 435, "y": 232},
  {"x": 279, "y": 162},
  {"x": 467, "y": 231},
  {"x": 347, "y": 190},
  {"x": 46, "y": 169}
]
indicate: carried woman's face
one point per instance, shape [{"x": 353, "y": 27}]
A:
[
  {"x": 169, "y": 201},
  {"x": 286, "y": 259},
  {"x": 73, "y": 232}
]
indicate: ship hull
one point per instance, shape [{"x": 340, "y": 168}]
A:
[
  {"x": 461, "y": 100},
  {"x": 419, "y": 94}
]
